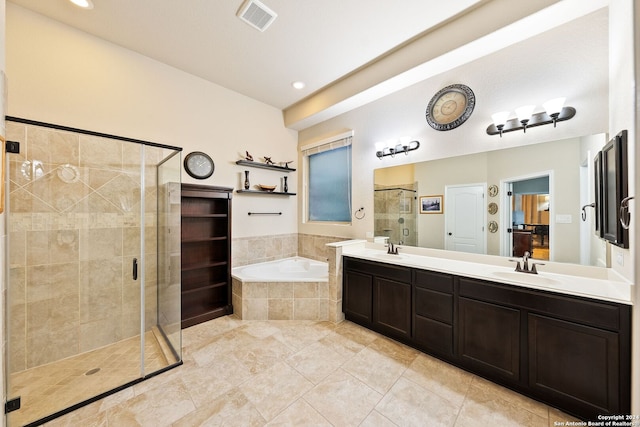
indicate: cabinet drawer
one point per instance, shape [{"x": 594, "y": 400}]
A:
[
  {"x": 435, "y": 281},
  {"x": 433, "y": 304},
  {"x": 389, "y": 271},
  {"x": 581, "y": 310},
  {"x": 433, "y": 335}
]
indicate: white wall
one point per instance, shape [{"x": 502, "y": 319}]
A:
[{"x": 66, "y": 77}]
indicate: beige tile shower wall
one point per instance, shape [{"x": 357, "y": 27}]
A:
[{"x": 74, "y": 228}]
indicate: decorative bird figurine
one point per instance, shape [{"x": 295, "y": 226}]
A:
[
  {"x": 268, "y": 161},
  {"x": 286, "y": 164},
  {"x": 249, "y": 157}
]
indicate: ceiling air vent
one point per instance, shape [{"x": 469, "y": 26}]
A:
[{"x": 257, "y": 14}]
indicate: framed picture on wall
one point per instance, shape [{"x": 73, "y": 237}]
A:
[{"x": 431, "y": 204}]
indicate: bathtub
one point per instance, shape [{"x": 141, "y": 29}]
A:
[
  {"x": 295, "y": 269},
  {"x": 287, "y": 289}
]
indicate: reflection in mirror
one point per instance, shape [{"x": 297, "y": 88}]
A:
[
  {"x": 568, "y": 163},
  {"x": 530, "y": 200}
]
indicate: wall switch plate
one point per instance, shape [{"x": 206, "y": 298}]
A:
[
  {"x": 564, "y": 219},
  {"x": 369, "y": 234},
  {"x": 620, "y": 258}
]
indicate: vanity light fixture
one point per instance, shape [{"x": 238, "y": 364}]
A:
[
  {"x": 524, "y": 114},
  {"x": 554, "y": 112},
  {"x": 84, "y": 4},
  {"x": 398, "y": 149}
]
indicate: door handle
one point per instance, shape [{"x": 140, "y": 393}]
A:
[
  {"x": 450, "y": 234},
  {"x": 135, "y": 269}
]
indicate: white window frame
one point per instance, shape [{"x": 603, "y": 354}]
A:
[{"x": 340, "y": 140}]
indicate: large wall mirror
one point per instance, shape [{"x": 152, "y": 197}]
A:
[{"x": 549, "y": 183}]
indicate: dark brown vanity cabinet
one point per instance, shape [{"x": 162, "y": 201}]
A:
[
  {"x": 571, "y": 352},
  {"x": 568, "y": 351},
  {"x": 577, "y": 365},
  {"x": 489, "y": 338},
  {"x": 433, "y": 312},
  {"x": 378, "y": 296}
]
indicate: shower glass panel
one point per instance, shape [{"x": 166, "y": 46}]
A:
[
  {"x": 164, "y": 307},
  {"x": 395, "y": 216},
  {"x": 90, "y": 247}
]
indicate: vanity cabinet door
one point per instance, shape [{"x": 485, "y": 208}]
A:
[
  {"x": 489, "y": 338},
  {"x": 575, "y": 365},
  {"x": 357, "y": 296},
  {"x": 392, "y": 307}
]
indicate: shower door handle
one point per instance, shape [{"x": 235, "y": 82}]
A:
[{"x": 135, "y": 269}]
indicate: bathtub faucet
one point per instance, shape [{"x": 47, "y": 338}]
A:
[{"x": 392, "y": 250}]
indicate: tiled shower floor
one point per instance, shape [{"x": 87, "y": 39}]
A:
[
  {"x": 306, "y": 373},
  {"x": 53, "y": 387}
]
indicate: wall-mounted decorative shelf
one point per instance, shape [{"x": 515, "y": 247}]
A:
[
  {"x": 266, "y": 193},
  {"x": 263, "y": 166}
]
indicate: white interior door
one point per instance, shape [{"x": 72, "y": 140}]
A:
[{"x": 465, "y": 218}]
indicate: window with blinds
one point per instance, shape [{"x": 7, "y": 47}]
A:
[{"x": 329, "y": 180}]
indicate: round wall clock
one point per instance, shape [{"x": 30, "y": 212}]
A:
[
  {"x": 198, "y": 165},
  {"x": 450, "y": 107}
]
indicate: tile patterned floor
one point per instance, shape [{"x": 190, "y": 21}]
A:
[
  {"x": 304, "y": 373},
  {"x": 53, "y": 387}
]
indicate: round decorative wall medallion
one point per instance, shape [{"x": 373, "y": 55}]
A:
[
  {"x": 492, "y": 208},
  {"x": 493, "y": 226},
  {"x": 450, "y": 107},
  {"x": 493, "y": 190}
]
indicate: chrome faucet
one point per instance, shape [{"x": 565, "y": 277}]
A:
[
  {"x": 392, "y": 250},
  {"x": 525, "y": 264}
]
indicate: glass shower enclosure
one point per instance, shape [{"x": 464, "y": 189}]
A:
[
  {"x": 395, "y": 216},
  {"x": 93, "y": 260}
]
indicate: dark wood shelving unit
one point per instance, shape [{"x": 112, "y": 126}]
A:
[
  {"x": 273, "y": 193},
  {"x": 263, "y": 166},
  {"x": 206, "y": 253}
]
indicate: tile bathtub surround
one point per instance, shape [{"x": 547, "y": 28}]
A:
[
  {"x": 260, "y": 373},
  {"x": 280, "y": 300},
  {"x": 315, "y": 246},
  {"x": 253, "y": 250}
]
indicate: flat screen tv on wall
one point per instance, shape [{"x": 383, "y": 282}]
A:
[{"x": 613, "y": 189}]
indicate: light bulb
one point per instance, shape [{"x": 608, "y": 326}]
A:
[
  {"x": 524, "y": 112},
  {"x": 500, "y": 118},
  {"x": 554, "y": 106}
]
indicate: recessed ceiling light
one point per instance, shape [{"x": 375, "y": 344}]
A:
[
  {"x": 85, "y": 4},
  {"x": 298, "y": 85}
]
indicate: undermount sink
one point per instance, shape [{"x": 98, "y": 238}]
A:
[
  {"x": 390, "y": 257},
  {"x": 534, "y": 279}
]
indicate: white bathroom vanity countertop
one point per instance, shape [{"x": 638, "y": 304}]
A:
[{"x": 591, "y": 282}]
